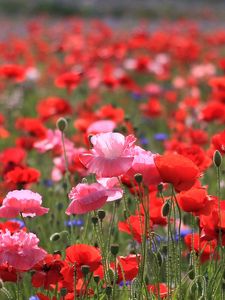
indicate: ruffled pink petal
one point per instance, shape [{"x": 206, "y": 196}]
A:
[
  {"x": 114, "y": 194},
  {"x": 104, "y": 167}
]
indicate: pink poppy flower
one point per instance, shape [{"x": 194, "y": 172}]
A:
[
  {"x": 20, "y": 250},
  {"x": 112, "y": 154},
  {"x": 52, "y": 140},
  {"x": 113, "y": 190},
  {"x": 86, "y": 198},
  {"x": 101, "y": 126},
  {"x": 22, "y": 201},
  {"x": 144, "y": 164}
]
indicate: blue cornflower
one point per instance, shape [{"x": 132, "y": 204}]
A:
[
  {"x": 76, "y": 223},
  {"x": 144, "y": 140},
  {"x": 127, "y": 283},
  {"x": 47, "y": 182},
  {"x": 136, "y": 96},
  {"x": 160, "y": 136}
]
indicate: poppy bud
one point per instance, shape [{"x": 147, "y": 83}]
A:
[
  {"x": 160, "y": 187},
  {"x": 138, "y": 178},
  {"x": 94, "y": 220},
  {"x": 217, "y": 158},
  {"x": 108, "y": 290},
  {"x": 63, "y": 292},
  {"x": 62, "y": 124},
  {"x": 85, "y": 269},
  {"x": 96, "y": 279},
  {"x": 114, "y": 249},
  {"x": 127, "y": 118},
  {"x": 101, "y": 214},
  {"x": 166, "y": 209},
  {"x": 191, "y": 273},
  {"x": 55, "y": 237},
  {"x": 125, "y": 213}
]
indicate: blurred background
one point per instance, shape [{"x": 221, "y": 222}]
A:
[{"x": 206, "y": 9}]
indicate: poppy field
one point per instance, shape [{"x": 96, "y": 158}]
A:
[{"x": 111, "y": 160}]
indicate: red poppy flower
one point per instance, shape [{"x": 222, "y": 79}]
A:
[
  {"x": 8, "y": 273},
  {"x": 22, "y": 176},
  {"x": 196, "y": 201},
  {"x": 69, "y": 80},
  {"x": 13, "y": 156},
  {"x": 48, "y": 271},
  {"x": 218, "y": 86},
  {"x": 82, "y": 254},
  {"x": 204, "y": 248},
  {"x": 133, "y": 225},
  {"x": 160, "y": 289},
  {"x": 218, "y": 141},
  {"x": 213, "y": 223},
  {"x": 128, "y": 267},
  {"x": 213, "y": 111},
  {"x": 53, "y": 107},
  {"x": 178, "y": 170},
  {"x": 12, "y": 226},
  {"x": 152, "y": 108},
  {"x": 13, "y": 72},
  {"x": 115, "y": 114},
  {"x": 32, "y": 126},
  {"x": 193, "y": 152}
]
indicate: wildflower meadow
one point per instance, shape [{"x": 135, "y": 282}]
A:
[{"x": 111, "y": 160}]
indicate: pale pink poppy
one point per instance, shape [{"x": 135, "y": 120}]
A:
[
  {"x": 101, "y": 126},
  {"x": 22, "y": 201},
  {"x": 52, "y": 140},
  {"x": 86, "y": 198},
  {"x": 20, "y": 250},
  {"x": 59, "y": 168},
  {"x": 114, "y": 192},
  {"x": 112, "y": 154},
  {"x": 144, "y": 164}
]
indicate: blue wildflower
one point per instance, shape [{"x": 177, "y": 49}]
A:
[
  {"x": 144, "y": 140},
  {"x": 160, "y": 136},
  {"x": 47, "y": 182},
  {"x": 76, "y": 223}
]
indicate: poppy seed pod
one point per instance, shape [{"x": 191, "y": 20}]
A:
[
  {"x": 191, "y": 273},
  {"x": 96, "y": 278},
  {"x": 101, "y": 214},
  {"x": 217, "y": 158},
  {"x": 166, "y": 209},
  {"x": 63, "y": 292},
  {"x": 85, "y": 269},
  {"x": 94, "y": 220},
  {"x": 55, "y": 237},
  {"x": 160, "y": 187},
  {"x": 62, "y": 124},
  {"x": 108, "y": 290},
  {"x": 138, "y": 178},
  {"x": 114, "y": 249}
]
